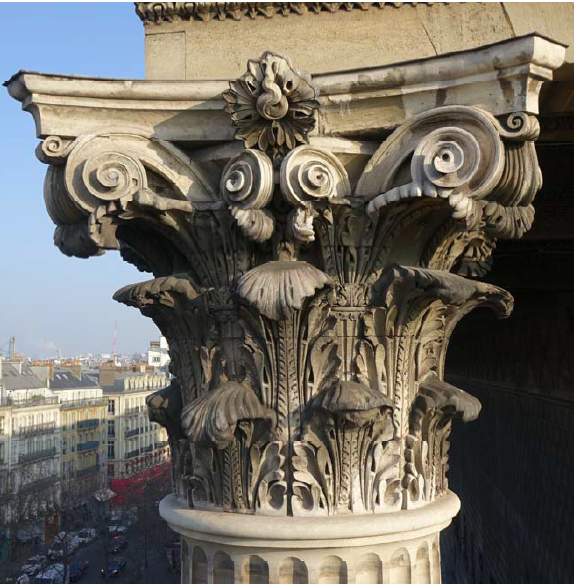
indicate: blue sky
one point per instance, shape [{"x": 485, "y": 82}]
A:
[{"x": 48, "y": 300}]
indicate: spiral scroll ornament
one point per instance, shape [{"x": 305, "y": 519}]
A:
[
  {"x": 247, "y": 181},
  {"x": 54, "y": 149},
  {"x": 311, "y": 174},
  {"x": 272, "y": 105},
  {"x": 448, "y": 163},
  {"x": 96, "y": 176},
  {"x": 112, "y": 175},
  {"x": 450, "y": 157},
  {"x": 519, "y": 126}
]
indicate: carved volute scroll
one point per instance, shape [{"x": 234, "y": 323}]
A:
[{"x": 308, "y": 302}]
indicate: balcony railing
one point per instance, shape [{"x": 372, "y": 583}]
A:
[
  {"x": 39, "y": 484},
  {"x": 148, "y": 449},
  {"x": 89, "y": 423},
  {"x": 37, "y": 429},
  {"x": 133, "y": 410},
  {"x": 87, "y": 446},
  {"x": 161, "y": 444},
  {"x": 133, "y": 453},
  {"x": 132, "y": 433},
  {"x": 32, "y": 401},
  {"x": 36, "y": 455},
  {"x": 93, "y": 469},
  {"x": 68, "y": 404}
]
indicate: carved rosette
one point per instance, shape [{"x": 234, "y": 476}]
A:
[
  {"x": 308, "y": 313},
  {"x": 272, "y": 105}
]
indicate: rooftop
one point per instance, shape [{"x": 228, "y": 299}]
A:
[
  {"x": 66, "y": 380},
  {"x": 12, "y": 379}
]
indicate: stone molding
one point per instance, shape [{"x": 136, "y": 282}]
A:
[
  {"x": 158, "y": 12},
  {"x": 286, "y": 533},
  {"x": 504, "y": 78}
]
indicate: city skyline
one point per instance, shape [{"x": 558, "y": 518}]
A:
[{"x": 51, "y": 302}]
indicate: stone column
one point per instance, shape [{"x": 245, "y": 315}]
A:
[{"x": 308, "y": 285}]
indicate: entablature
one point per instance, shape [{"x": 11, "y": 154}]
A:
[{"x": 502, "y": 78}]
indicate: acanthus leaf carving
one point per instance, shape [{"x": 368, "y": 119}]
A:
[
  {"x": 308, "y": 321},
  {"x": 427, "y": 445},
  {"x": 276, "y": 288},
  {"x": 235, "y": 465},
  {"x": 212, "y": 419},
  {"x": 347, "y": 460}
]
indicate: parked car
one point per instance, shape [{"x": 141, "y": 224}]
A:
[
  {"x": 31, "y": 569},
  {"x": 78, "y": 570},
  {"x": 114, "y": 568},
  {"x": 117, "y": 530},
  {"x": 124, "y": 517},
  {"x": 117, "y": 544},
  {"x": 85, "y": 536},
  {"x": 64, "y": 542},
  {"x": 37, "y": 560},
  {"x": 53, "y": 574}
]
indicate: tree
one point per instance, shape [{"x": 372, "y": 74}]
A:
[
  {"x": 149, "y": 533},
  {"x": 24, "y": 499},
  {"x": 76, "y": 505}
]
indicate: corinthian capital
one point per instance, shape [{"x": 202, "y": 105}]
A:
[{"x": 310, "y": 241}]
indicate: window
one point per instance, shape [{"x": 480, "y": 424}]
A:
[
  {"x": 1, "y": 425},
  {"x": 111, "y": 407},
  {"x": 2, "y": 453},
  {"x": 111, "y": 428},
  {"x": 111, "y": 450}
]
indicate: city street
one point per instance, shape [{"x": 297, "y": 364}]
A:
[{"x": 134, "y": 572}]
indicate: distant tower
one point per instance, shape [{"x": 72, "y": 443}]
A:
[
  {"x": 12, "y": 351},
  {"x": 114, "y": 340}
]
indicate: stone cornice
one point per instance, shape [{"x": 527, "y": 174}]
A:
[
  {"x": 159, "y": 12},
  {"x": 502, "y": 78}
]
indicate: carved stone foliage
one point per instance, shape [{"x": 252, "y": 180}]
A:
[
  {"x": 347, "y": 461},
  {"x": 308, "y": 315}
]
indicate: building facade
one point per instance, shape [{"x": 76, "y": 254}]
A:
[
  {"x": 83, "y": 427},
  {"x": 134, "y": 442},
  {"x": 30, "y": 470},
  {"x": 158, "y": 355}
]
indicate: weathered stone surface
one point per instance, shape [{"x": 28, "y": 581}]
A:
[
  {"x": 215, "y": 41},
  {"x": 308, "y": 287},
  {"x": 503, "y": 78}
]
